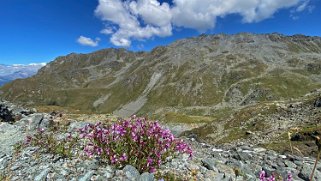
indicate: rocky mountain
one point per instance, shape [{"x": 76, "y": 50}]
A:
[
  {"x": 202, "y": 76},
  {"x": 12, "y": 72}
]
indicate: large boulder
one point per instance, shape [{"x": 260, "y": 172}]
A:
[
  {"x": 11, "y": 113},
  {"x": 9, "y": 136},
  {"x": 36, "y": 121}
]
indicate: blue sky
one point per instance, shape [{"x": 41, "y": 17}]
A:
[{"x": 34, "y": 31}]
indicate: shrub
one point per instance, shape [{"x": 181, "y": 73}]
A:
[{"x": 136, "y": 141}]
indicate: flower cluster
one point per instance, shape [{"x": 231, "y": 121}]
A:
[
  {"x": 263, "y": 177},
  {"x": 136, "y": 141}
]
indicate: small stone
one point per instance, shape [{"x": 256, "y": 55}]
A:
[
  {"x": 119, "y": 173},
  {"x": 42, "y": 175},
  {"x": 192, "y": 167},
  {"x": 146, "y": 177},
  {"x": 258, "y": 150},
  {"x": 317, "y": 102},
  {"x": 289, "y": 164},
  {"x": 108, "y": 172},
  {"x": 34, "y": 121},
  {"x": 307, "y": 170},
  {"x": 209, "y": 163},
  {"x": 217, "y": 177},
  {"x": 108, "y": 175},
  {"x": 74, "y": 126},
  {"x": 228, "y": 171},
  {"x": 87, "y": 176},
  {"x": 210, "y": 174},
  {"x": 131, "y": 172},
  {"x": 4, "y": 162},
  {"x": 13, "y": 168}
]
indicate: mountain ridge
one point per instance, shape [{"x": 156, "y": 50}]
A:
[{"x": 207, "y": 72}]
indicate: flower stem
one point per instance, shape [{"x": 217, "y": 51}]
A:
[{"x": 315, "y": 164}]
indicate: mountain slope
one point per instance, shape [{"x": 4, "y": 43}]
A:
[{"x": 192, "y": 76}]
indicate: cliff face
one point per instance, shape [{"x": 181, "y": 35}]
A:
[{"x": 195, "y": 76}]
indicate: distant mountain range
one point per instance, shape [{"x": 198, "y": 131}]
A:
[
  {"x": 194, "y": 76},
  {"x": 18, "y": 71}
]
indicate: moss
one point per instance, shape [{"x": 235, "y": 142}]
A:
[
  {"x": 233, "y": 135},
  {"x": 294, "y": 47},
  {"x": 203, "y": 131},
  {"x": 305, "y": 147},
  {"x": 281, "y": 84},
  {"x": 172, "y": 117}
]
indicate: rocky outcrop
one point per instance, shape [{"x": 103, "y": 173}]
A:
[
  {"x": 239, "y": 161},
  {"x": 209, "y": 163},
  {"x": 16, "y": 122},
  {"x": 10, "y": 112}
]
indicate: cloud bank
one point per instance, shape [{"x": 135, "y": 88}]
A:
[
  {"x": 143, "y": 19},
  {"x": 88, "y": 41}
]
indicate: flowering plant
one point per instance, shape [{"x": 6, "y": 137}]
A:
[
  {"x": 135, "y": 141},
  {"x": 49, "y": 143},
  {"x": 263, "y": 177}
]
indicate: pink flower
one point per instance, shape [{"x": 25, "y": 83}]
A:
[
  {"x": 123, "y": 157},
  {"x": 262, "y": 175},
  {"x": 289, "y": 178},
  {"x": 28, "y": 140},
  {"x": 136, "y": 137}
]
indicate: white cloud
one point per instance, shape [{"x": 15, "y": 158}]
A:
[
  {"x": 30, "y": 64},
  {"x": 107, "y": 31},
  {"x": 38, "y": 64},
  {"x": 156, "y": 17},
  {"x": 88, "y": 41},
  {"x": 303, "y": 6},
  {"x": 143, "y": 19}
]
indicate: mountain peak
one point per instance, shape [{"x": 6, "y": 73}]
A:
[{"x": 208, "y": 71}]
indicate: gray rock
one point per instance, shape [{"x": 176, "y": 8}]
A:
[
  {"x": 9, "y": 136},
  {"x": 43, "y": 175},
  {"x": 306, "y": 171},
  {"x": 229, "y": 172},
  {"x": 4, "y": 161},
  {"x": 87, "y": 176},
  {"x": 108, "y": 172},
  {"x": 317, "y": 102},
  {"x": 244, "y": 156},
  {"x": 209, "y": 163},
  {"x": 258, "y": 150},
  {"x": 74, "y": 126},
  {"x": 45, "y": 123},
  {"x": 146, "y": 177},
  {"x": 192, "y": 167},
  {"x": 289, "y": 164},
  {"x": 15, "y": 167},
  {"x": 35, "y": 121},
  {"x": 268, "y": 170},
  {"x": 131, "y": 172},
  {"x": 218, "y": 177}
]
